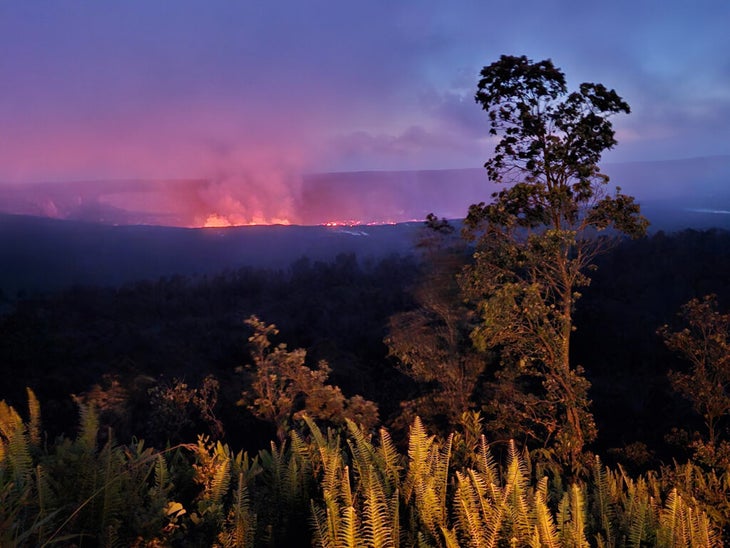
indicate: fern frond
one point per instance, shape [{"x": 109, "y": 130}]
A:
[
  {"x": 377, "y": 524},
  {"x": 545, "y": 523},
  {"x": 220, "y": 482},
  {"x": 578, "y": 517},
  {"x": 112, "y": 498},
  {"x": 450, "y": 538},
  {"x": 349, "y": 535},
  {"x": 322, "y": 533},
  {"x": 88, "y": 424},
  {"x": 429, "y": 508},
  {"x": 637, "y": 510},
  {"x": 703, "y": 532},
  {"x": 394, "y": 513},
  {"x": 391, "y": 459},
  {"x": 34, "y": 419},
  {"x": 241, "y": 521},
  {"x": 162, "y": 478},
  {"x": 441, "y": 471},
  {"x": 365, "y": 460},
  {"x": 602, "y": 500},
  {"x": 668, "y": 519},
  {"x": 534, "y": 540},
  {"x": 44, "y": 500},
  {"x": 492, "y": 504},
  {"x": 517, "y": 486},
  {"x": 14, "y": 446},
  {"x": 468, "y": 517},
  {"x": 419, "y": 449},
  {"x": 486, "y": 464}
]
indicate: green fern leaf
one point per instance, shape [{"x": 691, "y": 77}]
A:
[
  {"x": 602, "y": 500},
  {"x": 469, "y": 520},
  {"x": 391, "y": 459},
  {"x": 376, "y": 522},
  {"x": 545, "y": 523},
  {"x": 517, "y": 486},
  {"x": 323, "y": 535},
  {"x": 34, "y": 419},
  {"x": 349, "y": 535}
]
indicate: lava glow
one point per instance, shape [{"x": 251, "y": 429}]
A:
[
  {"x": 215, "y": 220},
  {"x": 332, "y": 200},
  {"x": 351, "y": 223}
]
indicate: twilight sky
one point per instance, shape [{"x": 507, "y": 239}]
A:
[{"x": 254, "y": 93}]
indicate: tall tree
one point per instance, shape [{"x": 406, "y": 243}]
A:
[{"x": 538, "y": 237}]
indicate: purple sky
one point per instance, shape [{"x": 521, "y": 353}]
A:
[{"x": 251, "y": 94}]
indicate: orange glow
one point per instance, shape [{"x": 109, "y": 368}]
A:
[
  {"x": 341, "y": 223},
  {"x": 214, "y": 220}
]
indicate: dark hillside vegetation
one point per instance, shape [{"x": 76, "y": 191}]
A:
[
  {"x": 158, "y": 360},
  {"x": 39, "y": 254},
  {"x": 147, "y": 333},
  {"x": 186, "y": 328},
  {"x": 637, "y": 288}
]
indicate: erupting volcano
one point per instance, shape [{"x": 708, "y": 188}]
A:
[
  {"x": 332, "y": 199},
  {"x": 335, "y": 199}
]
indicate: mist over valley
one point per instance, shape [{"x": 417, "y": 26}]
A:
[{"x": 55, "y": 235}]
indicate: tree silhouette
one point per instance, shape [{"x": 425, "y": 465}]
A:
[{"x": 539, "y": 235}]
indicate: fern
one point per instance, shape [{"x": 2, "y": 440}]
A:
[
  {"x": 486, "y": 464},
  {"x": 668, "y": 519},
  {"x": 162, "y": 483},
  {"x": 391, "y": 460},
  {"x": 545, "y": 524},
  {"x": 112, "y": 499},
  {"x": 517, "y": 483},
  {"x": 320, "y": 524},
  {"x": 572, "y": 518},
  {"x": 602, "y": 502},
  {"x": 426, "y": 481},
  {"x": 377, "y": 525},
  {"x": 349, "y": 534},
  {"x": 15, "y": 446},
  {"x": 450, "y": 538},
  {"x": 473, "y": 513},
  {"x": 34, "y": 420},
  {"x": 637, "y": 510},
  {"x": 240, "y": 526},
  {"x": 219, "y": 484},
  {"x": 419, "y": 448},
  {"x": 89, "y": 424}
]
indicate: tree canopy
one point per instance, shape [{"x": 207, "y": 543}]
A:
[{"x": 537, "y": 238}]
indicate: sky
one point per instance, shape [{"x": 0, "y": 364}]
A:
[{"x": 251, "y": 94}]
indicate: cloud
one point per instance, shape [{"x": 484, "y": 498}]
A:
[{"x": 245, "y": 90}]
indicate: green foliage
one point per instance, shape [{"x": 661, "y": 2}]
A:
[
  {"x": 281, "y": 379},
  {"x": 353, "y": 490},
  {"x": 176, "y": 408},
  {"x": 536, "y": 240},
  {"x": 431, "y": 343},
  {"x": 705, "y": 343},
  {"x": 78, "y": 490}
]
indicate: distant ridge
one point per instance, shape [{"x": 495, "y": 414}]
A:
[
  {"x": 362, "y": 196},
  {"x": 41, "y": 254}
]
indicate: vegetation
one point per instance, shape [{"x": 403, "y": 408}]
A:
[
  {"x": 361, "y": 492},
  {"x": 281, "y": 378},
  {"x": 538, "y": 237}
]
